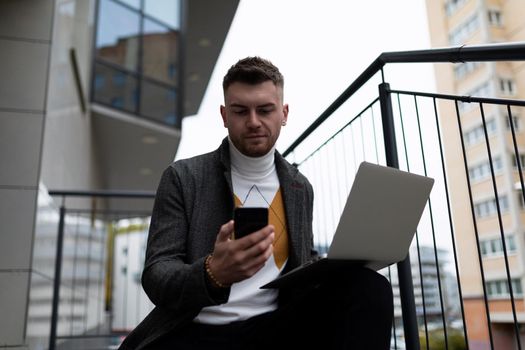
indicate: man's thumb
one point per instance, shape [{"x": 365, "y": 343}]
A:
[{"x": 225, "y": 231}]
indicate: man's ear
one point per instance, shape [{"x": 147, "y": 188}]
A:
[
  {"x": 285, "y": 112},
  {"x": 223, "y": 114}
]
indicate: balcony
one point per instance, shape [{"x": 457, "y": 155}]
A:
[{"x": 458, "y": 299}]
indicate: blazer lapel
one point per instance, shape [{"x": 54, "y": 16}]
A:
[
  {"x": 224, "y": 158},
  {"x": 293, "y": 197}
]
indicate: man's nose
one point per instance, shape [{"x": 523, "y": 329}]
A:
[{"x": 253, "y": 120}]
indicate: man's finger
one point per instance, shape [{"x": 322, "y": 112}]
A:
[
  {"x": 225, "y": 232},
  {"x": 254, "y": 238},
  {"x": 260, "y": 248}
]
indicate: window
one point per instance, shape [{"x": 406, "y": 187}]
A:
[
  {"x": 117, "y": 102},
  {"x": 477, "y": 134},
  {"x": 170, "y": 119},
  {"x": 494, "y": 247},
  {"x": 521, "y": 159},
  {"x": 166, "y": 11},
  {"x": 119, "y": 79},
  {"x": 500, "y": 288},
  {"x": 521, "y": 201},
  {"x": 117, "y": 34},
  {"x": 136, "y": 57},
  {"x": 100, "y": 81},
  {"x": 464, "y": 30},
  {"x": 515, "y": 122},
  {"x": 482, "y": 171},
  {"x": 495, "y": 17},
  {"x": 159, "y": 51},
  {"x": 463, "y": 69},
  {"x": 482, "y": 90},
  {"x": 172, "y": 71},
  {"x": 507, "y": 86},
  {"x": 489, "y": 207},
  {"x": 171, "y": 95},
  {"x": 452, "y": 6},
  {"x": 157, "y": 101}
]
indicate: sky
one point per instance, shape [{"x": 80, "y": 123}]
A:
[{"x": 320, "y": 46}]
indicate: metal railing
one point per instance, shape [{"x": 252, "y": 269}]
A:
[
  {"x": 445, "y": 302},
  {"x": 92, "y": 280},
  {"x": 461, "y": 285}
]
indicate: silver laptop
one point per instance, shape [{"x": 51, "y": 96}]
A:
[{"x": 376, "y": 226}]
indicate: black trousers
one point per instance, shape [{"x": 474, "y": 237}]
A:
[{"x": 351, "y": 311}]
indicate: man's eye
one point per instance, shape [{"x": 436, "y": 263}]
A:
[
  {"x": 239, "y": 111},
  {"x": 265, "y": 111}
]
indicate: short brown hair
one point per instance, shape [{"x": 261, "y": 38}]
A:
[{"x": 253, "y": 70}]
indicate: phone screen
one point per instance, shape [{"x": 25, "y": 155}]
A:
[{"x": 249, "y": 220}]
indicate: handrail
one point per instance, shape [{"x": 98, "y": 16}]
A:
[
  {"x": 103, "y": 193},
  {"x": 489, "y": 52}
]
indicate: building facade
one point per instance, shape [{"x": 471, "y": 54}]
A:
[
  {"x": 464, "y": 22},
  {"x": 435, "y": 293},
  {"x": 91, "y": 98}
]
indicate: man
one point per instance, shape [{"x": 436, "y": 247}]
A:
[{"x": 205, "y": 284}]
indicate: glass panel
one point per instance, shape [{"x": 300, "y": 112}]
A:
[
  {"x": 132, "y": 3},
  {"x": 159, "y": 103},
  {"x": 159, "y": 58},
  {"x": 498, "y": 288},
  {"x": 490, "y": 292},
  {"x": 166, "y": 11},
  {"x": 117, "y": 34},
  {"x": 483, "y": 248},
  {"x": 516, "y": 284},
  {"x": 498, "y": 246},
  {"x": 504, "y": 287},
  {"x": 115, "y": 88},
  {"x": 511, "y": 245}
]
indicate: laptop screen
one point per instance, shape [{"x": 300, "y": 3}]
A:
[{"x": 381, "y": 214}]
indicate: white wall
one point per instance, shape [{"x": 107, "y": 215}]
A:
[
  {"x": 25, "y": 43},
  {"x": 130, "y": 303}
]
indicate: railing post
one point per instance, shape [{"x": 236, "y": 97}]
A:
[
  {"x": 56, "y": 282},
  {"x": 406, "y": 288}
]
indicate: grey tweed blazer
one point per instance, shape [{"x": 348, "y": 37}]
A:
[{"x": 193, "y": 200}]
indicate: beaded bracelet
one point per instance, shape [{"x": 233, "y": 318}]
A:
[{"x": 210, "y": 274}]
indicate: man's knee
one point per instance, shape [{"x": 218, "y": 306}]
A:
[{"x": 366, "y": 284}]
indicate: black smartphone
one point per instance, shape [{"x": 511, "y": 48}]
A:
[{"x": 248, "y": 220}]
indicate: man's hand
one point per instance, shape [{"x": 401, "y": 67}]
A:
[{"x": 237, "y": 260}]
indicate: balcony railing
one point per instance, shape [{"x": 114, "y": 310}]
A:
[
  {"x": 471, "y": 299},
  {"x": 96, "y": 252},
  {"x": 461, "y": 286}
]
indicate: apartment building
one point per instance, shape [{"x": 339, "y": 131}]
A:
[
  {"x": 435, "y": 288},
  {"x": 464, "y": 22},
  {"x": 92, "y": 97}
]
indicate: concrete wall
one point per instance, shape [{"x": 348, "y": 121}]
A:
[
  {"x": 68, "y": 159},
  {"x": 45, "y": 137},
  {"x": 25, "y": 43}
]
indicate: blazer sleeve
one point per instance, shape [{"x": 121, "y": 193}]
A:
[{"x": 168, "y": 278}]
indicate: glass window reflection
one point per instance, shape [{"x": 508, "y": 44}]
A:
[
  {"x": 159, "y": 102},
  {"x": 118, "y": 34},
  {"x": 136, "y": 60},
  {"x": 119, "y": 93},
  {"x": 159, "y": 52},
  {"x": 167, "y": 11},
  {"x": 132, "y": 3}
]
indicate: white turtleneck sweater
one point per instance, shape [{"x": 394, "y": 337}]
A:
[{"x": 255, "y": 184}]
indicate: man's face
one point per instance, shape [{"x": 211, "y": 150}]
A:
[{"x": 253, "y": 115}]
